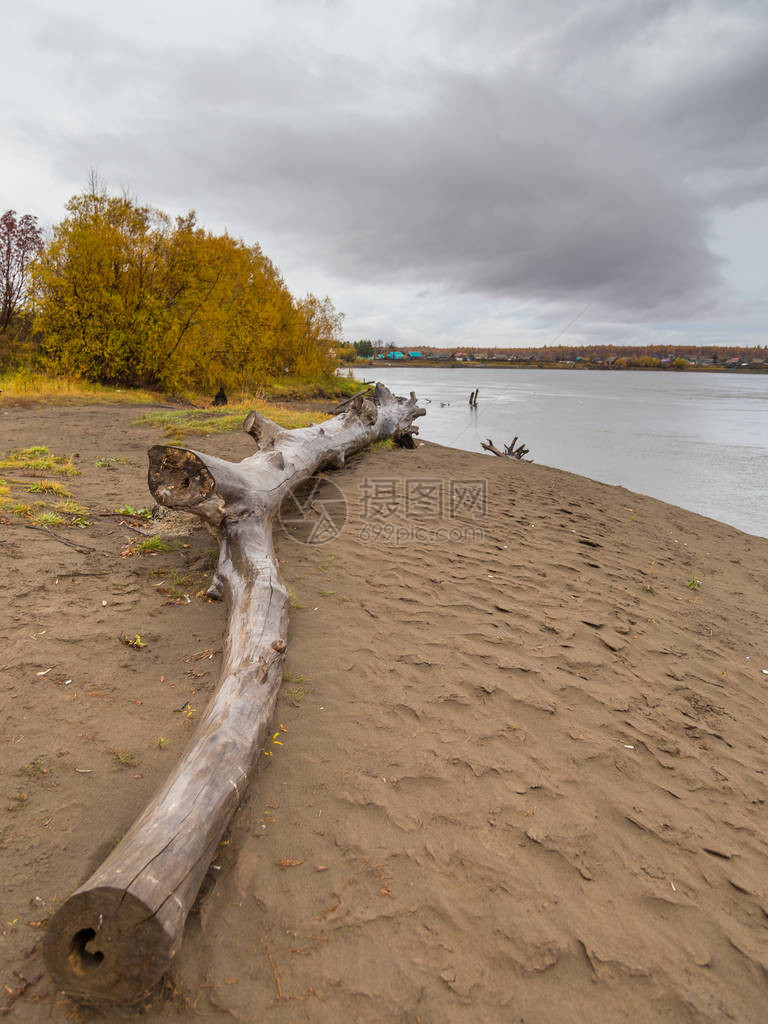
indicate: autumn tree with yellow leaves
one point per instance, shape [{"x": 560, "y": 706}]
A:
[{"x": 124, "y": 294}]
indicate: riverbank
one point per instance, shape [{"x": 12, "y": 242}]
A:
[{"x": 518, "y": 766}]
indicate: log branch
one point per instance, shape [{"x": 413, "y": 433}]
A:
[{"x": 115, "y": 937}]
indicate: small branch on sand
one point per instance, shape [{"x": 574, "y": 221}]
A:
[
  {"x": 81, "y": 548},
  {"x": 14, "y": 994},
  {"x": 142, "y": 533},
  {"x": 510, "y": 452},
  {"x": 67, "y": 575}
]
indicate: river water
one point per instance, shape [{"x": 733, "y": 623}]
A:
[{"x": 698, "y": 440}]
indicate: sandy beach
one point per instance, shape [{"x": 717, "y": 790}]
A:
[{"x": 519, "y": 762}]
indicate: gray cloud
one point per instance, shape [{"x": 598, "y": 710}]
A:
[
  {"x": 719, "y": 129},
  {"x": 490, "y": 183},
  {"x": 497, "y": 150}
]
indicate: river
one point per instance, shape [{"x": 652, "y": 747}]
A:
[{"x": 698, "y": 440}]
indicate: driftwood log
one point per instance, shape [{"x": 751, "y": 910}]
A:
[
  {"x": 115, "y": 937},
  {"x": 510, "y": 452}
]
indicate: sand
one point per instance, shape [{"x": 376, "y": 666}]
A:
[{"x": 520, "y": 769}]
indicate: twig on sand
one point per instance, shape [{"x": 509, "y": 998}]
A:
[
  {"x": 120, "y": 515},
  {"x": 135, "y": 529},
  {"x": 63, "y": 575},
  {"x": 13, "y": 994},
  {"x": 82, "y": 548}
]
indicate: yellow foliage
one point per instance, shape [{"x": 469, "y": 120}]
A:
[{"x": 124, "y": 295}]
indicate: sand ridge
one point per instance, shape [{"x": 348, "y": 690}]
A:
[{"x": 516, "y": 776}]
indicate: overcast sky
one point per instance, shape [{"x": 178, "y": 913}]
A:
[{"x": 449, "y": 172}]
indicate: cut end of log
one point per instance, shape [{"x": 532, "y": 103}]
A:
[
  {"x": 105, "y": 945},
  {"x": 178, "y": 478}
]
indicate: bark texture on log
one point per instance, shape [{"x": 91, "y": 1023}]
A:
[{"x": 115, "y": 937}]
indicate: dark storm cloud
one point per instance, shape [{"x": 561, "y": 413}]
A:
[
  {"x": 690, "y": 78},
  {"x": 507, "y": 182},
  {"x": 719, "y": 128}
]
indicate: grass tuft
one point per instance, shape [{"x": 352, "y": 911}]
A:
[
  {"x": 71, "y": 507},
  {"x": 39, "y": 459},
  {"x": 106, "y": 462},
  {"x": 48, "y": 519},
  {"x": 378, "y": 446},
  {"x": 16, "y": 508},
  {"x": 154, "y": 546},
  {"x": 125, "y": 758},
  {"x": 49, "y": 487}
]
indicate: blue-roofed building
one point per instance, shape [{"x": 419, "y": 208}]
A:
[{"x": 415, "y": 355}]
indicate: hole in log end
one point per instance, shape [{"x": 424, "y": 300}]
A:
[
  {"x": 107, "y": 946},
  {"x": 178, "y": 478},
  {"x": 81, "y": 958}
]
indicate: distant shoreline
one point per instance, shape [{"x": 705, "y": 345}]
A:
[{"x": 449, "y": 365}]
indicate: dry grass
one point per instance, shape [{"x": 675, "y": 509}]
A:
[
  {"x": 49, "y": 487},
  {"x": 48, "y": 518},
  {"x": 30, "y": 385},
  {"x": 27, "y": 384},
  {"x": 16, "y": 508},
  {"x": 177, "y": 424},
  {"x": 38, "y": 459},
  {"x": 71, "y": 507}
]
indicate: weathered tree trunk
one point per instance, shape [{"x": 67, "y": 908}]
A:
[
  {"x": 116, "y": 936},
  {"x": 510, "y": 452}
]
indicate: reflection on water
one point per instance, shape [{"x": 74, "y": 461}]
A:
[{"x": 693, "y": 439}]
